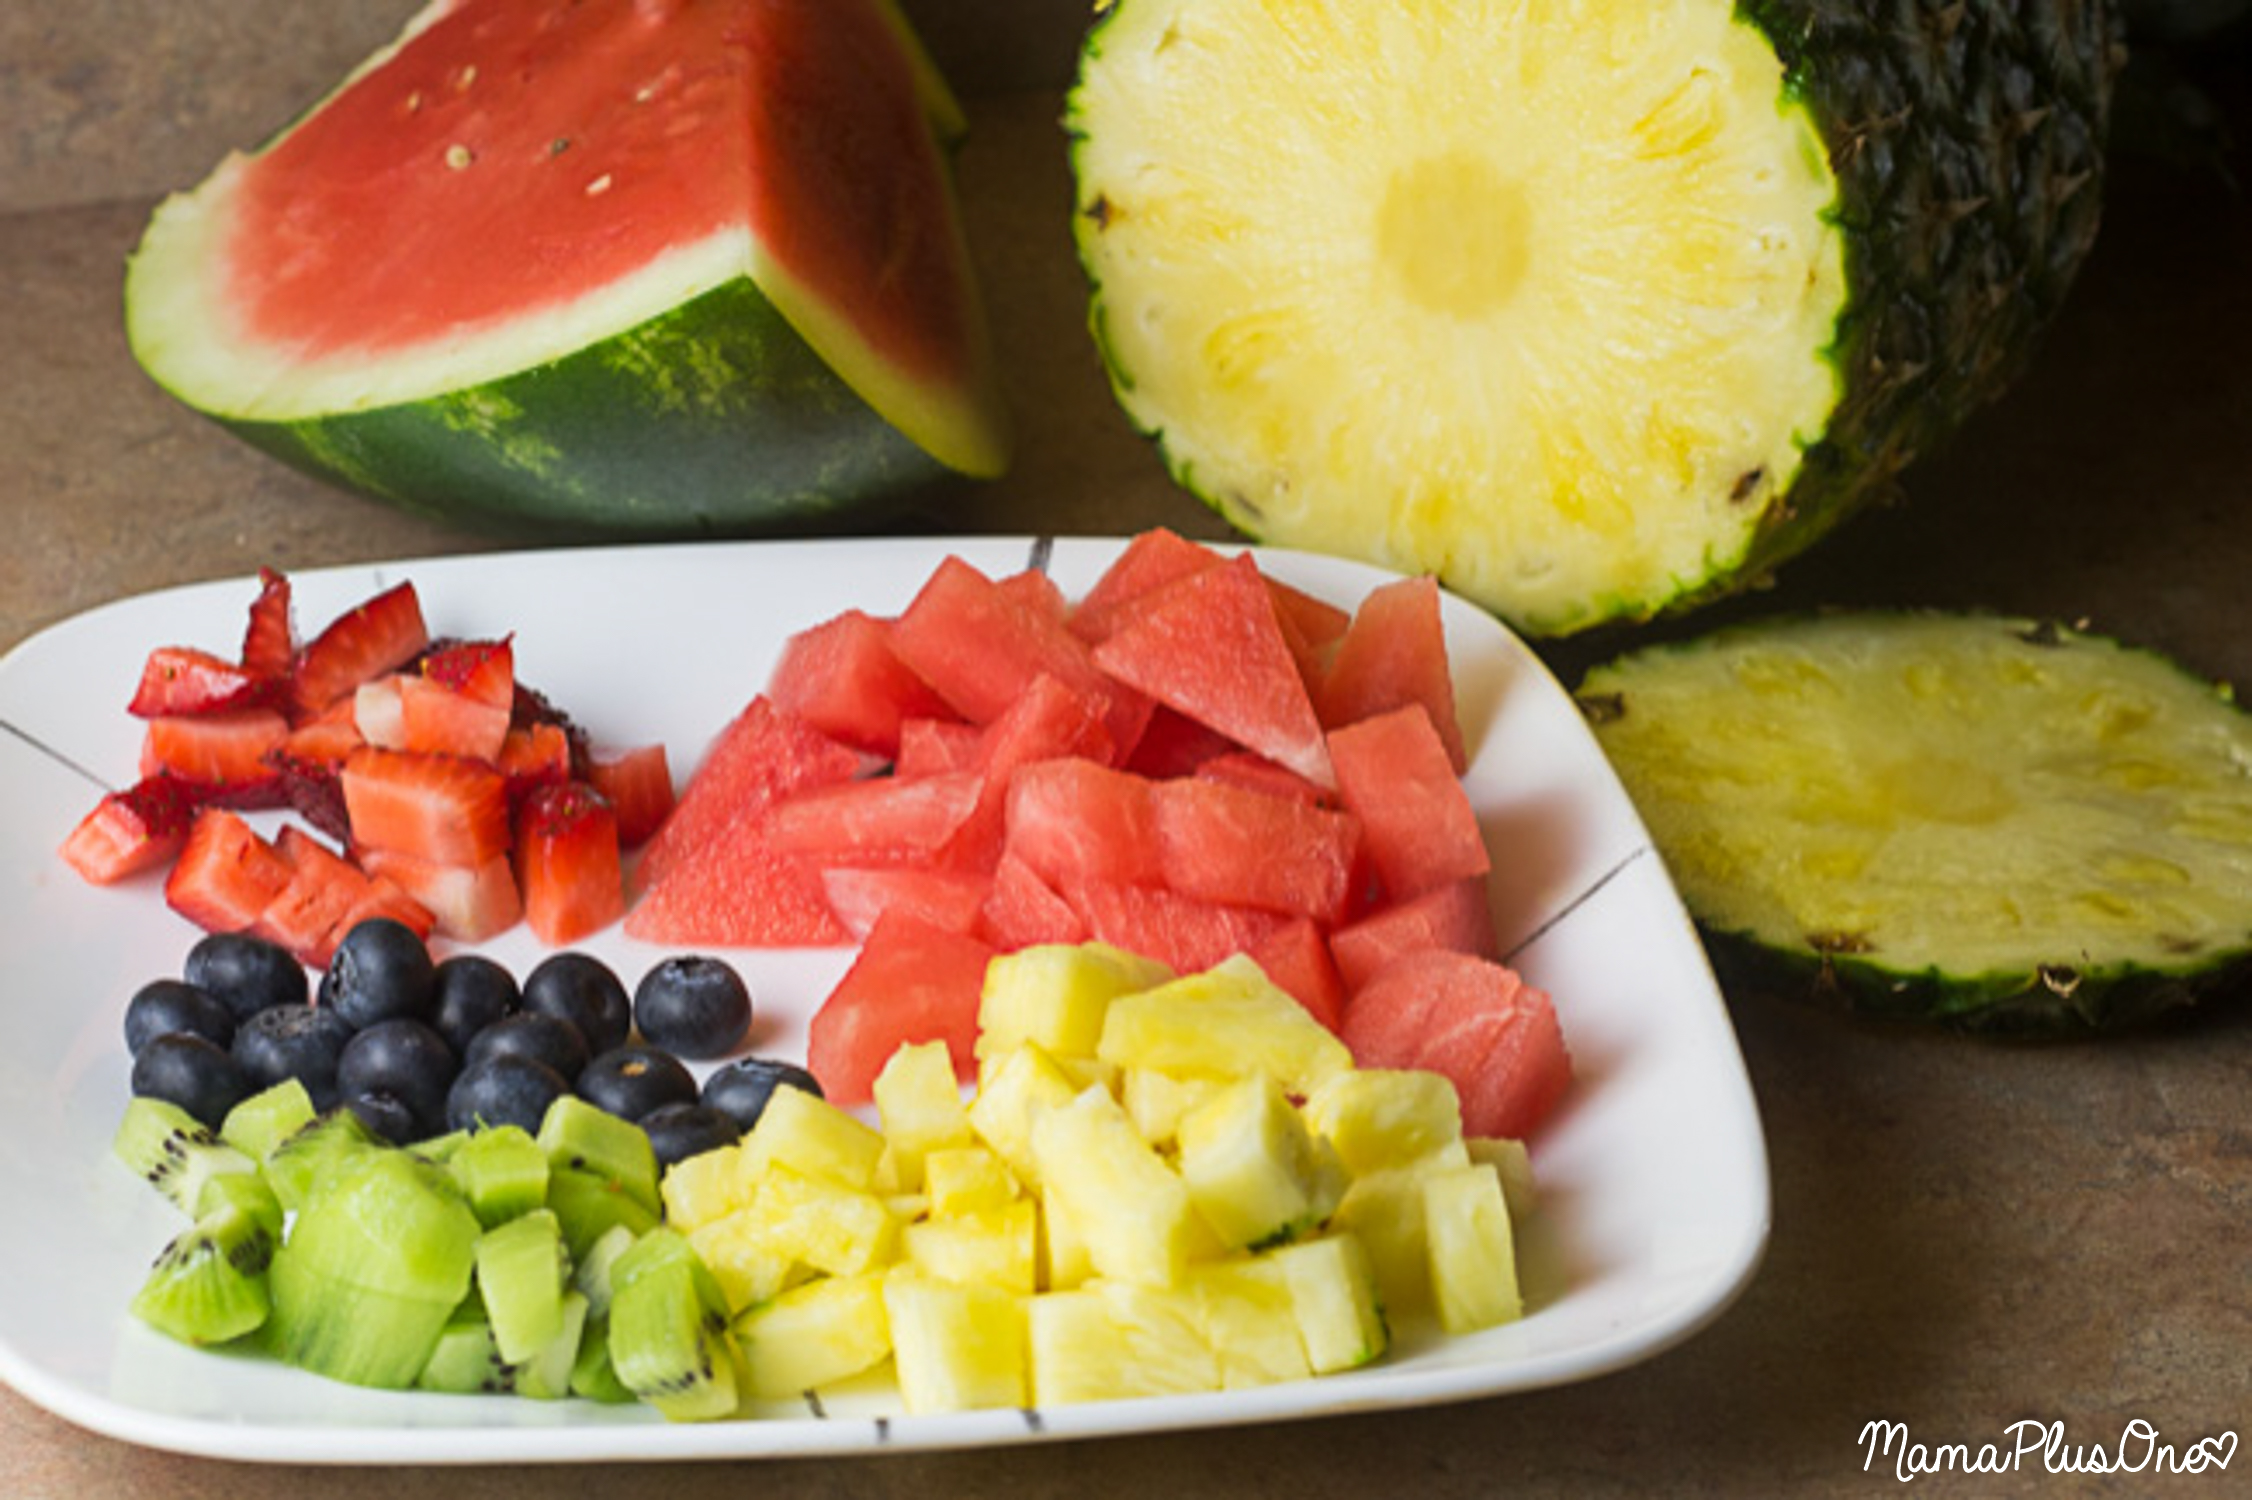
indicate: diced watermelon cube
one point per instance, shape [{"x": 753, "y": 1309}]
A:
[
  {"x": 1210, "y": 646},
  {"x": 1296, "y": 957},
  {"x": 1227, "y": 844},
  {"x": 1394, "y": 775},
  {"x": 1152, "y": 559},
  {"x": 882, "y": 820},
  {"x": 1173, "y": 744},
  {"x": 930, "y": 746},
  {"x": 736, "y": 892},
  {"x": 226, "y": 873},
  {"x": 1457, "y": 918},
  {"x": 951, "y": 899},
  {"x": 1257, "y": 773},
  {"x": 1037, "y": 592},
  {"x": 1051, "y": 721},
  {"x": 1393, "y": 654},
  {"x": 762, "y": 754},
  {"x": 1475, "y": 1021},
  {"x": 912, "y": 982},
  {"x": 1075, "y": 819},
  {"x": 1022, "y": 910},
  {"x": 843, "y": 678},
  {"x": 1187, "y": 934}
]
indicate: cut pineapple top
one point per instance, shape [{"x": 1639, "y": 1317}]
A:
[{"x": 1537, "y": 298}]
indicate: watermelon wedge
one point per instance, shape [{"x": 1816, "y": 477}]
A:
[{"x": 609, "y": 267}]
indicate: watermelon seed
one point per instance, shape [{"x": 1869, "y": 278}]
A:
[
  {"x": 459, "y": 157},
  {"x": 466, "y": 77},
  {"x": 599, "y": 186}
]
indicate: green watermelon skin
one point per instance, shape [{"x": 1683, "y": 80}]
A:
[{"x": 713, "y": 419}]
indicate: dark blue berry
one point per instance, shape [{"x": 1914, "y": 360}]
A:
[
  {"x": 381, "y": 971},
  {"x": 164, "y": 1006},
  {"x": 294, "y": 1041},
  {"x": 405, "y": 1060},
  {"x": 630, "y": 1081},
  {"x": 547, "y": 1040},
  {"x": 388, "y": 1116},
  {"x": 472, "y": 993},
  {"x": 248, "y": 974},
  {"x": 192, "y": 1072},
  {"x": 505, "y": 1089},
  {"x": 741, "y": 1088},
  {"x": 585, "y": 991},
  {"x": 693, "y": 1006},
  {"x": 679, "y": 1131}
]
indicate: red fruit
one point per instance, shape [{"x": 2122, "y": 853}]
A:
[
  {"x": 380, "y": 635},
  {"x": 1395, "y": 776},
  {"x": 1072, "y": 820},
  {"x": 439, "y": 808},
  {"x": 183, "y": 680},
  {"x": 1296, "y": 957},
  {"x": 306, "y": 915},
  {"x": 1187, "y": 934},
  {"x": 220, "y": 750},
  {"x": 1477, "y": 1022},
  {"x": 911, "y": 983},
  {"x": 1210, "y": 647},
  {"x": 1454, "y": 917},
  {"x": 763, "y": 754},
  {"x": 950, "y": 899},
  {"x": 1173, "y": 744},
  {"x": 1021, "y": 909},
  {"x": 567, "y": 863},
  {"x": 225, "y": 874},
  {"x": 843, "y": 678},
  {"x": 533, "y": 756},
  {"x": 137, "y": 829},
  {"x": 1256, "y": 773},
  {"x": 1393, "y": 654},
  {"x": 637, "y": 783},
  {"x": 883, "y": 820},
  {"x": 269, "y": 641},
  {"x": 483, "y": 671},
  {"x": 735, "y": 892},
  {"x": 310, "y": 762},
  {"x": 442, "y": 720},
  {"x": 1235, "y": 847},
  {"x": 1151, "y": 560},
  {"x": 929, "y": 746},
  {"x": 467, "y": 903}
]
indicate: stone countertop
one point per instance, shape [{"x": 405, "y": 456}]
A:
[{"x": 1965, "y": 1234}]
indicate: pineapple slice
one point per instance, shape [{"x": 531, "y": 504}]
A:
[
  {"x": 1156, "y": 1102},
  {"x": 1250, "y": 1319},
  {"x": 998, "y": 1247},
  {"x": 811, "y": 1136},
  {"x": 1384, "y": 1209},
  {"x": 1227, "y": 1021},
  {"x": 1333, "y": 1296},
  {"x": 1253, "y": 1170},
  {"x": 1473, "y": 1251},
  {"x": 1114, "y": 1341},
  {"x": 749, "y": 1268},
  {"x": 1378, "y": 1117},
  {"x": 967, "y": 1180},
  {"x": 1014, "y": 1089},
  {"x": 956, "y": 1347},
  {"x": 1515, "y": 1164},
  {"x": 1054, "y": 996},
  {"x": 818, "y": 1223},
  {"x": 814, "y": 1335},
  {"x": 1064, "y": 1261},
  {"x": 919, "y": 1102},
  {"x": 705, "y": 1188},
  {"x": 1131, "y": 1209}
]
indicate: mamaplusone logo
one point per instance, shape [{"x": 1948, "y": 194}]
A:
[{"x": 2140, "y": 1449}]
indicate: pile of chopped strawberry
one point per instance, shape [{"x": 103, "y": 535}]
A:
[{"x": 458, "y": 799}]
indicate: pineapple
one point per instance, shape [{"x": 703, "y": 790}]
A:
[
  {"x": 1015, "y": 1088},
  {"x": 1473, "y": 1251},
  {"x": 1114, "y": 1340},
  {"x": 1158, "y": 1101},
  {"x": 1054, "y": 996},
  {"x": 1334, "y": 1298},
  {"x": 957, "y": 1347},
  {"x": 920, "y": 1106},
  {"x": 818, "y": 1223},
  {"x": 967, "y": 1180},
  {"x": 1129, "y": 1207},
  {"x": 814, "y": 1335},
  {"x": 1594, "y": 310},
  {"x": 809, "y": 1135},
  {"x": 1374, "y": 1117},
  {"x": 1253, "y": 1170},
  {"x": 1250, "y": 1318},
  {"x": 1383, "y": 1207},
  {"x": 997, "y": 1247},
  {"x": 749, "y": 1266},
  {"x": 1227, "y": 1021}
]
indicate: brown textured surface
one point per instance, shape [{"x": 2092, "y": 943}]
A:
[{"x": 1965, "y": 1235}]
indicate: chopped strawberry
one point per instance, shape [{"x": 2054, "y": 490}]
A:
[
  {"x": 269, "y": 641},
  {"x": 439, "y": 808},
  {"x": 481, "y": 670},
  {"x": 227, "y": 750},
  {"x": 310, "y": 762},
  {"x": 323, "y": 887},
  {"x": 136, "y": 829},
  {"x": 408, "y": 711},
  {"x": 467, "y": 903},
  {"x": 226, "y": 874},
  {"x": 567, "y": 862},
  {"x": 184, "y": 680},
  {"x": 532, "y": 756},
  {"x": 637, "y": 783},
  {"x": 385, "y": 898},
  {"x": 377, "y": 636}
]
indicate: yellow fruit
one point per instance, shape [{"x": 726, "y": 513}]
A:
[
  {"x": 1473, "y": 1252},
  {"x": 1253, "y": 1170},
  {"x": 957, "y": 1348},
  {"x": 814, "y": 1335},
  {"x": 1222, "y": 1023},
  {"x": 919, "y": 1103},
  {"x": 1054, "y": 996},
  {"x": 1130, "y": 1208}
]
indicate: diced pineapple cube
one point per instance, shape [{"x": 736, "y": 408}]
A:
[
  {"x": 1385, "y": 1209},
  {"x": 813, "y": 1335},
  {"x": 1114, "y": 1340},
  {"x": 1157, "y": 1101},
  {"x": 1515, "y": 1164},
  {"x": 1473, "y": 1250},
  {"x": 1000, "y": 1247},
  {"x": 1252, "y": 1168},
  {"x": 1250, "y": 1319},
  {"x": 1131, "y": 1209},
  {"x": 1014, "y": 1089},
  {"x": 956, "y": 1348},
  {"x": 966, "y": 1180},
  {"x": 705, "y": 1188},
  {"x": 809, "y": 1135},
  {"x": 920, "y": 1104},
  {"x": 819, "y": 1223},
  {"x": 1385, "y": 1117},
  {"x": 1333, "y": 1295},
  {"x": 1054, "y": 995},
  {"x": 1064, "y": 1261},
  {"x": 749, "y": 1269},
  {"x": 1229, "y": 1020}
]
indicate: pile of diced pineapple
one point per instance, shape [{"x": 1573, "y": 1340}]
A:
[{"x": 1158, "y": 1185}]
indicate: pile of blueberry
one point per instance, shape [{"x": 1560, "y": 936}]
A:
[{"x": 418, "y": 1047}]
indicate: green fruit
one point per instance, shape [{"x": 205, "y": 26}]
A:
[
  {"x": 579, "y": 1137},
  {"x": 597, "y": 269},
  {"x": 209, "y": 1285},
  {"x": 669, "y": 1342},
  {"x": 1986, "y": 822},
  {"x": 1595, "y": 311},
  {"x": 173, "y": 1152}
]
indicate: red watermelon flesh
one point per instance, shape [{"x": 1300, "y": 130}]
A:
[
  {"x": 1454, "y": 917},
  {"x": 1021, "y": 910},
  {"x": 763, "y": 755},
  {"x": 843, "y": 678},
  {"x": 1393, "y": 773},
  {"x": 1477, "y": 1022},
  {"x": 882, "y": 820},
  {"x": 912, "y": 982},
  {"x": 1151, "y": 560},
  {"x": 953, "y": 900},
  {"x": 1228, "y": 844},
  {"x": 1074, "y": 819},
  {"x": 1296, "y": 957},
  {"x": 928, "y": 746},
  {"x": 1394, "y": 653},
  {"x": 1180, "y": 931},
  {"x": 736, "y": 892}
]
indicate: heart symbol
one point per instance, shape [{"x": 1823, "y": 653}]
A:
[{"x": 2226, "y": 1441}]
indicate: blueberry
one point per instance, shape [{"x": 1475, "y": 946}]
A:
[
  {"x": 583, "y": 990},
  {"x": 164, "y": 1006},
  {"x": 742, "y": 1087},
  {"x": 193, "y": 1072},
  {"x": 693, "y": 1006},
  {"x": 294, "y": 1041},
  {"x": 631, "y": 1081},
  {"x": 553, "y": 1043},
  {"x": 406, "y": 1060},
  {"x": 388, "y": 1116},
  {"x": 381, "y": 970},
  {"x": 679, "y": 1131},
  {"x": 248, "y": 974},
  {"x": 472, "y": 993},
  {"x": 505, "y": 1089}
]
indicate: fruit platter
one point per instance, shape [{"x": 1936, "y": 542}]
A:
[{"x": 1652, "y": 1190}]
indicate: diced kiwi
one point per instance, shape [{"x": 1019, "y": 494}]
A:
[
  {"x": 172, "y": 1151},
  {"x": 546, "y": 1376},
  {"x": 577, "y": 1134},
  {"x": 521, "y": 1271},
  {"x": 247, "y": 1191},
  {"x": 587, "y": 1206},
  {"x": 465, "y": 1361},
  {"x": 502, "y": 1170},
  {"x": 267, "y": 1118},
  {"x": 668, "y": 1330},
  {"x": 593, "y": 1376},
  {"x": 209, "y": 1284},
  {"x": 313, "y": 1151}
]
